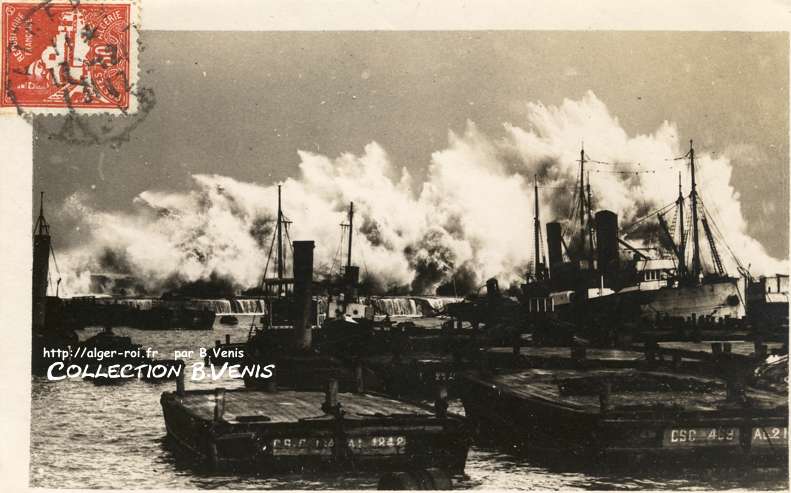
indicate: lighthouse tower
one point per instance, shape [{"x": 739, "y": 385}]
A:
[{"x": 42, "y": 245}]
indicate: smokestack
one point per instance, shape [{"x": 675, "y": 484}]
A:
[
  {"x": 492, "y": 288},
  {"x": 303, "y": 293},
  {"x": 607, "y": 241},
  {"x": 554, "y": 244}
]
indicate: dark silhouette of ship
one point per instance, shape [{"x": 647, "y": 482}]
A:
[{"x": 596, "y": 281}]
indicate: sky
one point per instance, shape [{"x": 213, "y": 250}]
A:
[{"x": 243, "y": 104}]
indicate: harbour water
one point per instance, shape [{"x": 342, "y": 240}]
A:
[{"x": 89, "y": 436}]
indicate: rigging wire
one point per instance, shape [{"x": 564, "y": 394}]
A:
[
  {"x": 635, "y": 172},
  {"x": 336, "y": 259},
  {"x": 631, "y": 227},
  {"x": 713, "y": 223},
  {"x": 268, "y": 258}
]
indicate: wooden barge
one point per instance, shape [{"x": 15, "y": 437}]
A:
[
  {"x": 627, "y": 410},
  {"x": 290, "y": 430},
  {"x": 270, "y": 430}
]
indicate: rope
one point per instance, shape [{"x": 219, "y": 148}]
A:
[
  {"x": 338, "y": 252},
  {"x": 268, "y": 258},
  {"x": 717, "y": 231},
  {"x": 632, "y": 226},
  {"x": 362, "y": 254}
]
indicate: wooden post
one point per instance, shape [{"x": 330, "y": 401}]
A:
[
  {"x": 716, "y": 348},
  {"x": 180, "y": 381},
  {"x": 358, "y": 377},
  {"x": 727, "y": 347},
  {"x": 517, "y": 346},
  {"x": 441, "y": 402},
  {"x": 759, "y": 349},
  {"x": 650, "y": 350},
  {"x": 271, "y": 382},
  {"x": 604, "y": 397},
  {"x": 483, "y": 363},
  {"x": 217, "y": 343},
  {"x": 219, "y": 403},
  {"x": 227, "y": 338},
  {"x": 331, "y": 394},
  {"x": 676, "y": 361}
]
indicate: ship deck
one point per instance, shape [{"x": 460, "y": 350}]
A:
[
  {"x": 288, "y": 406},
  {"x": 743, "y": 348},
  {"x": 565, "y": 352},
  {"x": 631, "y": 390}
]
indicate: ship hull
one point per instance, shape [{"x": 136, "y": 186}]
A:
[
  {"x": 716, "y": 298},
  {"x": 720, "y": 298}
]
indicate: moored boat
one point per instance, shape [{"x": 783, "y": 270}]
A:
[
  {"x": 628, "y": 411},
  {"x": 292, "y": 430}
]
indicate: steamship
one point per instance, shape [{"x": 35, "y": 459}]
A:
[{"x": 590, "y": 281}]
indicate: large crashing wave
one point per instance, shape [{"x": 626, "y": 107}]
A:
[{"x": 470, "y": 220}]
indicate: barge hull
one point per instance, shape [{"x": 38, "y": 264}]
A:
[
  {"x": 359, "y": 443},
  {"x": 539, "y": 423}
]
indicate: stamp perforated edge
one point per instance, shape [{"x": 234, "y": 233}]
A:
[{"x": 134, "y": 28}]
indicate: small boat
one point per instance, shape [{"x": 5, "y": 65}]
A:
[{"x": 229, "y": 320}]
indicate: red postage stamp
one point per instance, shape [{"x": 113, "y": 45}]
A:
[{"x": 64, "y": 56}]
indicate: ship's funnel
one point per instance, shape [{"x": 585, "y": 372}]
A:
[
  {"x": 492, "y": 288},
  {"x": 554, "y": 244},
  {"x": 303, "y": 292},
  {"x": 607, "y": 241}
]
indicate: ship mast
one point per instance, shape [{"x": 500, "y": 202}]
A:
[
  {"x": 279, "y": 236},
  {"x": 694, "y": 196},
  {"x": 351, "y": 229},
  {"x": 537, "y": 231},
  {"x": 681, "y": 246},
  {"x": 582, "y": 197},
  {"x": 590, "y": 226},
  {"x": 42, "y": 227}
]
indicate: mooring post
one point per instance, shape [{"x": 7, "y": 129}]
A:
[
  {"x": 716, "y": 348},
  {"x": 271, "y": 382},
  {"x": 650, "y": 350},
  {"x": 760, "y": 349},
  {"x": 727, "y": 347},
  {"x": 441, "y": 402},
  {"x": 180, "y": 381},
  {"x": 517, "y": 345},
  {"x": 227, "y": 338},
  {"x": 219, "y": 403},
  {"x": 676, "y": 361},
  {"x": 604, "y": 397},
  {"x": 217, "y": 343},
  {"x": 483, "y": 363},
  {"x": 331, "y": 394},
  {"x": 358, "y": 377}
]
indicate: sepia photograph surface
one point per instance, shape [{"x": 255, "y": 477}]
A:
[{"x": 428, "y": 259}]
